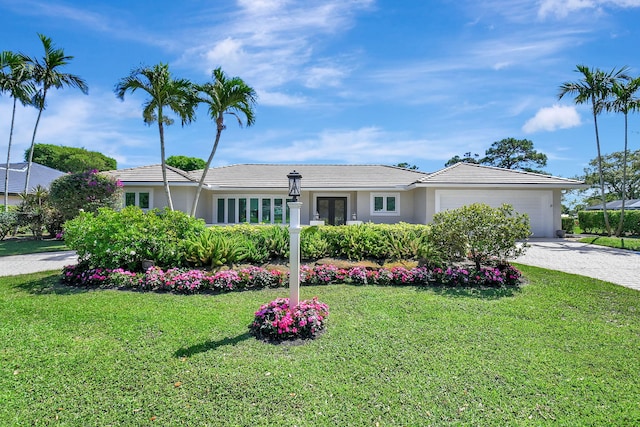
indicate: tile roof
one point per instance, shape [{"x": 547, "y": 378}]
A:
[
  {"x": 469, "y": 174},
  {"x": 40, "y": 175},
  {"x": 313, "y": 176},
  {"x": 151, "y": 173}
]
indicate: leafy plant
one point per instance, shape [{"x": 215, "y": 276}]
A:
[
  {"x": 481, "y": 233},
  {"x": 277, "y": 321},
  {"x": 8, "y": 223}
]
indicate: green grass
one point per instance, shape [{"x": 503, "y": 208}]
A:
[
  {"x": 562, "y": 350},
  {"x": 23, "y": 246},
  {"x": 614, "y": 242}
]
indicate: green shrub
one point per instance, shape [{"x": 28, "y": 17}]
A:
[
  {"x": 87, "y": 191},
  {"x": 568, "y": 223},
  {"x": 123, "y": 239},
  {"x": 36, "y": 213},
  {"x": 214, "y": 249},
  {"x": 593, "y": 221},
  {"x": 8, "y": 222},
  {"x": 480, "y": 233}
]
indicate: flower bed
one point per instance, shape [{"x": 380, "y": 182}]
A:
[
  {"x": 276, "y": 321},
  {"x": 194, "y": 281}
]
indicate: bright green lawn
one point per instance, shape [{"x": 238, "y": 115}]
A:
[
  {"x": 564, "y": 350},
  {"x": 30, "y": 246},
  {"x": 614, "y": 242}
]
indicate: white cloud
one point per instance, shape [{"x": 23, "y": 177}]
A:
[
  {"x": 562, "y": 8},
  {"x": 553, "y": 118}
]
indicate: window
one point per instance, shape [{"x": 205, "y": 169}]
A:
[
  {"x": 385, "y": 204},
  {"x": 257, "y": 209},
  {"x": 142, "y": 199}
]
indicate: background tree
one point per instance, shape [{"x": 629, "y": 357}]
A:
[
  {"x": 186, "y": 163},
  {"x": 46, "y": 74},
  {"x": 70, "y": 159},
  {"x": 612, "y": 172},
  {"x": 15, "y": 79},
  {"x": 594, "y": 87},
  {"x": 405, "y": 165},
  {"x": 624, "y": 101},
  {"x": 511, "y": 153},
  {"x": 165, "y": 92},
  {"x": 224, "y": 96},
  {"x": 466, "y": 158},
  {"x": 88, "y": 190}
]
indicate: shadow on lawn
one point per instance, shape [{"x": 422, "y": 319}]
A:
[
  {"x": 211, "y": 345},
  {"x": 49, "y": 285},
  {"x": 480, "y": 293}
]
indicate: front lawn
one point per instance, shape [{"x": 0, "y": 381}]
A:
[
  {"x": 562, "y": 350},
  {"x": 21, "y": 246}
]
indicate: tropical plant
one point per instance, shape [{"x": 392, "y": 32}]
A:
[
  {"x": 87, "y": 191},
  {"x": 165, "y": 92},
  {"x": 15, "y": 79},
  {"x": 36, "y": 213},
  {"x": 222, "y": 96},
  {"x": 594, "y": 87},
  {"x": 46, "y": 75},
  {"x": 480, "y": 233},
  {"x": 624, "y": 101}
]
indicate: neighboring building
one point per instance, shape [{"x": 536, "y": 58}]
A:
[
  {"x": 631, "y": 204},
  {"x": 40, "y": 175},
  {"x": 257, "y": 193}
]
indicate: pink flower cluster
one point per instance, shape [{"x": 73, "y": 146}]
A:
[{"x": 277, "y": 321}]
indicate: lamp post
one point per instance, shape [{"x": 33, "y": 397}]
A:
[{"x": 294, "y": 238}]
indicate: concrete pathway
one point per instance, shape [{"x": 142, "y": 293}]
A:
[
  {"x": 611, "y": 265},
  {"x": 33, "y": 263}
]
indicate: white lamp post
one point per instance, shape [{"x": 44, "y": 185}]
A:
[{"x": 294, "y": 238}]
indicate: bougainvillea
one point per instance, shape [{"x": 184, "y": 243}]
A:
[{"x": 277, "y": 321}]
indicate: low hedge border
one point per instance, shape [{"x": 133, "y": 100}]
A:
[{"x": 196, "y": 281}]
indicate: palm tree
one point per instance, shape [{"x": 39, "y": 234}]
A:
[
  {"x": 178, "y": 95},
  {"x": 623, "y": 102},
  {"x": 15, "y": 79},
  {"x": 224, "y": 96},
  {"x": 595, "y": 87},
  {"x": 47, "y": 75}
]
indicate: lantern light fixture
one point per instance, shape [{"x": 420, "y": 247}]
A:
[{"x": 294, "y": 185}]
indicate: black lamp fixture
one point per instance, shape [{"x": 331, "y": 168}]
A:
[{"x": 294, "y": 185}]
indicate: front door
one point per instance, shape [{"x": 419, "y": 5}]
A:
[{"x": 333, "y": 210}]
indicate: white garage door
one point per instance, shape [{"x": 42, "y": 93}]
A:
[{"x": 537, "y": 204}]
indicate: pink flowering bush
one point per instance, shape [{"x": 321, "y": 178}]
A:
[
  {"x": 193, "y": 281},
  {"x": 276, "y": 321}
]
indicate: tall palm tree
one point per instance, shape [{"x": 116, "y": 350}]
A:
[
  {"x": 47, "y": 75},
  {"x": 15, "y": 79},
  {"x": 224, "y": 96},
  {"x": 177, "y": 95},
  {"x": 624, "y": 101},
  {"x": 594, "y": 87}
]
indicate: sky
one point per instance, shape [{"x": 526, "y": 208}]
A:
[{"x": 338, "y": 81}]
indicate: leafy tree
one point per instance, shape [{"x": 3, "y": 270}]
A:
[
  {"x": 480, "y": 233},
  {"x": 186, "y": 163},
  {"x": 165, "y": 92},
  {"x": 594, "y": 87},
  {"x": 467, "y": 158},
  {"x": 222, "y": 96},
  {"x": 87, "y": 191},
  {"x": 15, "y": 79},
  {"x": 70, "y": 159},
  {"x": 406, "y": 165},
  {"x": 612, "y": 173},
  {"x": 47, "y": 75},
  {"x": 624, "y": 100},
  {"x": 511, "y": 153}
]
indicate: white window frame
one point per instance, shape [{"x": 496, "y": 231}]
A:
[
  {"x": 248, "y": 197},
  {"x": 384, "y": 212},
  {"x": 137, "y": 198}
]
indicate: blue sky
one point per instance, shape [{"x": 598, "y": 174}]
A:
[{"x": 339, "y": 81}]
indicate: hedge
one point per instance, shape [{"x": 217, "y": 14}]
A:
[{"x": 593, "y": 221}]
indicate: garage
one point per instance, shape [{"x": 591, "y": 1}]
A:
[{"x": 538, "y": 204}]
